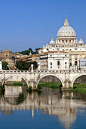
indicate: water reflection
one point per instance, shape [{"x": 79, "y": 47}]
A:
[
  {"x": 62, "y": 105},
  {"x": 15, "y": 95}
]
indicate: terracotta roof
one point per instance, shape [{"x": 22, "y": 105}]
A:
[
  {"x": 41, "y": 49},
  {"x": 63, "y": 52},
  {"x": 37, "y": 55},
  {"x": 52, "y": 52}
]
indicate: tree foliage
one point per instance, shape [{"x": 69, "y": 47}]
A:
[
  {"x": 4, "y": 65},
  {"x": 23, "y": 65},
  {"x": 27, "y": 52}
]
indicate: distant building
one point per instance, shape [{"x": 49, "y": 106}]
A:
[
  {"x": 54, "y": 61},
  {"x": 82, "y": 63},
  {"x": 66, "y": 50},
  {"x": 6, "y": 56}
]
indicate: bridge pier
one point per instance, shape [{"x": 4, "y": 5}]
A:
[
  {"x": 32, "y": 83},
  {"x": 67, "y": 85}
]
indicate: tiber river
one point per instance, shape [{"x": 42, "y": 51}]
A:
[{"x": 49, "y": 109}]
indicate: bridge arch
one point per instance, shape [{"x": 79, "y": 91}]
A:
[
  {"x": 76, "y": 77},
  {"x": 42, "y": 76},
  {"x": 8, "y": 77}
]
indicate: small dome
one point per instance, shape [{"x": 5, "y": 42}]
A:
[
  {"x": 66, "y": 30},
  {"x": 52, "y": 42},
  {"x": 6, "y": 50},
  {"x": 81, "y": 41}
]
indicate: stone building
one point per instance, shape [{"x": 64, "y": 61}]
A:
[
  {"x": 66, "y": 49},
  {"x": 6, "y": 56},
  {"x": 54, "y": 61}
]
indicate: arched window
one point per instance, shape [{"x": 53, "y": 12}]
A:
[{"x": 6, "y": 55}]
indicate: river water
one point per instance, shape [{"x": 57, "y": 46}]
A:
[{"x": 49, "y": 109}]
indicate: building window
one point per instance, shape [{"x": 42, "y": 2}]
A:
[
  {"x": 47, "y": 49},
  {"x": 6, "y": 55},
  {"x": 70, "y": 64},
  {"x": 70, "y": 41},
  {"x": 50, "y": 63},
  {"x": 7, "y": 59},
  {"x": 75, "y": 62},
  {"x": 75, "y": 57},
  {"x": 58, "y": 62}
]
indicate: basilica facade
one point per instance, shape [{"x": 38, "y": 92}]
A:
[{"x": 65, "y": 53}]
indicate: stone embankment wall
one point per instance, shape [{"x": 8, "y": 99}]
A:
[
  {"x": 81, "y": 79},
  {"x": 50, "y": 79}
]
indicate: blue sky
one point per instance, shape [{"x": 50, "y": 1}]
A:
[{"x": 31, "y": 23}]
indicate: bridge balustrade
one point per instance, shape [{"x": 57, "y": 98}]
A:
[{"x": 44, "y": 71}]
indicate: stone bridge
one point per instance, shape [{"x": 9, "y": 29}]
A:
[{"x": 32, "y": 78}]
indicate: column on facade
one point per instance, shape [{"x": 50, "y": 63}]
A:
[
  {"x": 72, "y": 60},
  {"x": 78, "y": 61},
  {"x": 64, "y": 41},
  {"x": 58, "y": 41},
  {"x": 71, "y": 41},
  {"x": 61, "y": 41}
]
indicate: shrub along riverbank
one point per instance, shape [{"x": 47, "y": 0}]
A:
[
  {"x": 19, "y": 84},
  {"x": 44, "y": 84},
  {"x": 1, "y": 87},
  {"x": 79, "y": 88},
  {"x": 52, "y": 85},
  {"x": 16, "y": 83}
]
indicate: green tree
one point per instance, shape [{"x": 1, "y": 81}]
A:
[
  {"x": 4, "y": 65},
  {"x": 27, "y": 52},
  {"x": 37, "y": 50},
  {"x": 22, "y": 65}
]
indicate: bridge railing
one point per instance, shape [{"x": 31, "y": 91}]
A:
[{"x": 43, "y": 71}]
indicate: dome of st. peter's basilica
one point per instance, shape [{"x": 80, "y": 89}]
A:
[{"x": 66, "y": 30}]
